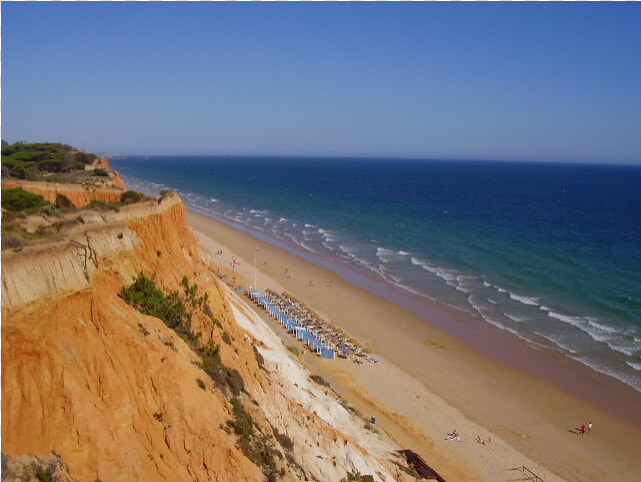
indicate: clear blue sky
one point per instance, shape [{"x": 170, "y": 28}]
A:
[{"x": 535, "y": 81}]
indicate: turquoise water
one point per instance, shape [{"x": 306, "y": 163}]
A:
[{"x": 549, "y": 252}]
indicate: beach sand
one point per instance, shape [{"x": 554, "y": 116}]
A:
[{"x": 470, "y": 377}]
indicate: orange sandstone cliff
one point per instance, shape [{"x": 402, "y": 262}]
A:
[
  {"x": 107, "y": 189},
  {"x": 118, "y": 395}
]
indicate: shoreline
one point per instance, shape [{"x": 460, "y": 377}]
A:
[
  {"x": 571, "y": 376},
  {"x": 531, "y": 414}
]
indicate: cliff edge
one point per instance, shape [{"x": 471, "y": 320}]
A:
[{"x": 115, "y": 394}]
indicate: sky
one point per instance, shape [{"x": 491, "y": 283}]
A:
[{"x": 521, "y": 81}]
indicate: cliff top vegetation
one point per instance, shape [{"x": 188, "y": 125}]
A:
[{"x": 47, "y": 161}]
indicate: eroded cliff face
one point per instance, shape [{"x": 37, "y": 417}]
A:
[
  {"x": 80, "y": 197},
  {"x": 107, "y": 189},
  {"x": 112, "y": 391},
  {"x": 117, "y": 394}
]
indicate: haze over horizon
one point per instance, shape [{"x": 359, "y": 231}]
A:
[{"x": 527, "y": 81}]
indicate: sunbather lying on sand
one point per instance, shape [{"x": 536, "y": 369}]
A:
[{"x": 453, "y": 436}]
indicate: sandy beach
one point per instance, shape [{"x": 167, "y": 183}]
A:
[{"x": 441, "y": 371}]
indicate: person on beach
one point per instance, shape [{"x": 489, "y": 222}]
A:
[
  {"x": 589, "y": 427},
  {"x": 582, "y": 429},
  {"x": 453, "y": 436}
]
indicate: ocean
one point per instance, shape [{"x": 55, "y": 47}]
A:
[{"x": 548, "y": 252}]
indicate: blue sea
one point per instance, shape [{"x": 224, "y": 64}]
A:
[{"x": 548, "y": 252}]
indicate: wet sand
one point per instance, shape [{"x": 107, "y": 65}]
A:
[{"x": 443, "y": 369}]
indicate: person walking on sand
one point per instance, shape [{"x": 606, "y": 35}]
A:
[
  {"x": 582, "y": 429},
  {"x": 589, "y": 427}
]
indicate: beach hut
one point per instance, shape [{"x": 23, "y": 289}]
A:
[
  {"x": 299, "y": 332},
  {"x": 315, "y": 344},
  {"x": 327, "y": 353}
]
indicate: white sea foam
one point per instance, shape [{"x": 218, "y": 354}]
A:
[
  {"x": 623, "y": 346},
  {"x": 383, "y": 253},
  {"x": 516, "y": 318},
  {"x": 388, "y": 255},
  {"x": 494, "y": 287},
  {"x": 310, "y": 226},
  {"x": 599, "y": 326},
  {"x": 636, "y": 366},
  {"x": 328, "y": 237},
  {"x": 556, "y": 341},
  {"x": 214, "y": 200},
  {"x": 348, "y": 250},
  {"x": 502, "y": 326},
  {"x": 632, "y": 380},
  {"x": 259, "y": 213},
  {"x": 463, "y": 283},
  {"x": 526, "y": 300},
  {"x": 417, "y": 262},
  {"x": 448, "y": 275},
  {"x": 478, "y": 306},
  {"x": 403, "y": 253},
  {"x": 352, "y": 254},
  {"x": 598, "y": 332}
]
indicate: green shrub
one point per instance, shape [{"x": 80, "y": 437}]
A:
[
  {"x": 293, "y": 349},
  {"x": 255, "y": 447},
  {"x": 100, "y": 172},
  {"x": 11, "y": 240},
  {"x": 284, "y": 440},
  {"x": 50, "y": 210},
  {"x": 227, "y": 338},
  {"x": 44, "y": 475},
  {"x": 102, "y": 205},
  {"x": 234, "y": 380},
  {"x": 175, "y": 312},
  {"x": 131, "y": 197},
  {"x": 23, "y": 160},
  {"x": 149, "y": 300},
  {"x": 17, "y": 199},
  {"x": 243, "y": 424},
  {"x": 320, "y": 380},
  {"x": 63, "y": 202},
  {"x": 200, "y": 383},
  {"x": 210, "y": 350},
  {"x": 356, "y": 476}
]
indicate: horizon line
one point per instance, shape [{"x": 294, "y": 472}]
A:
[{"x": 380, "y": 157}]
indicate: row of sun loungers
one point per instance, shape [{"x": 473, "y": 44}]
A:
[
  {"x": 293, "y": 323},
  {"x": 308, "y": 327}
]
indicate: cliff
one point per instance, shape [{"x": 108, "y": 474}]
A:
[
  {"x": 107, "y": 189},
  {"x": 118, "y": 395},
  {"x": 80, "y": 196}
]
